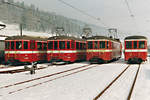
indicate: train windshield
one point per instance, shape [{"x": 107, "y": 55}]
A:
[
  {"x": 135, "y": 44},
  {"x": 45, "y": 46},
  {"x": 18, "y": 45},
  {"x": 96, "y": 45},
  {"x": 39, "y": 45},
  {"x": 50, "y": 45},
  {"x": 77, "y": 45},
  {"x": 55, "y": 45},
  {"x": 101, "y": 44},
  {"x": 25, "y": 44},
  {"x": 12, "y": 45},
  {"x": 68, "y": 44},
  {"x": 90, "y": 45},
  {"x": 141, "y": 44},
  {"x": 61, "y": 44},
  {"x": 128, "y": 44}
]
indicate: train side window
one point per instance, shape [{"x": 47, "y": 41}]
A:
[
  {"x": 50, "y": 45},
  {"x": 141, "y": 44},
  {"x": 128, "y": 44},
  {"x": 39, "y": 45},
  {"x": 77, "y": 45},
  {"x": 61, "y": 44},
  {"x": 45, "y": 46},
  {"x": 7, "y": 44},
  {"x": 90, "y": 45},
  {"x": 102, "y": 44},
  {"x": 25, "y": 44},
  {"x": 68, "y": 44},
  {"x": 55, "y": 45},
  {"x": 12, "y": 45},
  {"x": 135, "y": 44},
  {"x": 96, "y": 45}
]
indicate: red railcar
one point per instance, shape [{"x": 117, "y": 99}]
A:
[
  {"x": 25, "y": 49},
  {"x": 135, "y": 49},
  {"x": 66, "y": 49},
  {"x": 102, "y": 49}
]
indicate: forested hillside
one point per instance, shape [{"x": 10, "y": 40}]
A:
[{"x": 33, "y": 19}]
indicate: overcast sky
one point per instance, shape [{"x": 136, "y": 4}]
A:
[{"x": 114, "y": 13}]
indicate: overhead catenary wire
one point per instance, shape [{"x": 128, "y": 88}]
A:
[
  {"x": 83, "y": 12},
  {"x": 132, "y": 15}
]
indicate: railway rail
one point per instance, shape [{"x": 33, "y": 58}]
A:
[
  {"x": 112, "y": 82},
  {"x": 75, "y": 70}
]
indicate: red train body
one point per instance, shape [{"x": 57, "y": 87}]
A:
[
  {"x": 135, "y": 49},
  {"x": 25, "y": 49},
  {"x": 103, "y": 49},
  {"x": 66, "y": 49}
]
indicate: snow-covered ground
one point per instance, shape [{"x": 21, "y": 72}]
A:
[{"x": 83, "y": 85}]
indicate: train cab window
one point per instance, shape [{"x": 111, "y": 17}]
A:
[
  {"x": 96, "y": 45},
  {"x": 61, "y": 44},
  {"x": 45, "y": 46},
  {"x": 101, "y": 44},
  {"x": 50, "y": 45},
  {"x": 77, "y": 45},
  {"x": 55, "y": 45},
  {"x": 39, "y": 45},
  {"x": 68, "y": 44},
  {"x": 7, "y": 44},
  {"x": 18, "y": 45},
  {"x": 128, "y": 44},
  {"x": 135, "y": 44},
  {"x": 90, "y": 45},
  {"x": 12, "y": 45},
  {"x": 25, "y": 45},
  {"x": 141, "y": 44}
]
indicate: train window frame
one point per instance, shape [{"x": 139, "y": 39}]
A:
[
  {"x": 32, "y": 45},
  {"x": 77, "y": 45},
  {"x": 90, "y": 45},
  {"x": 62, "y": 45},
  {"x": 39, "y": 45},
  {"x": 25, "y": 46},
  {"x": 19, "y": 45},
  {"x": 44, "y": 46},
  {"x": 135, "y": 45},
  {"x": 7, "y": 45},
  {"x": 102, "y": 44},
  {"x": 96, "y": 46},
  {"x": 12, "y": 47},
  {"x": 68, "y": 45},
  {"x": 143, "y": 46},
  {"x": 130, "y": 45},
  {"x": 56, "y": 45},
  {"x": 50, "y": 45}
]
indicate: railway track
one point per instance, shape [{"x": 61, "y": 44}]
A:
[
  {"x": 75, "y": 70},
  {"x": 113, "y": 81}
]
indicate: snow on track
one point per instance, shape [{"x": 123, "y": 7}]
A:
[{"x": 80, "y": 86}]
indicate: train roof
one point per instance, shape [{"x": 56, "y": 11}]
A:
[
  {"x": 135, "y": 37},
  {"x": 102, "y": 37},
  {"x": 24, "y": 37},
  {"x": 65, "y": 38}
]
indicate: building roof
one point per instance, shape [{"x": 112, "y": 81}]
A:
[
  {"x": 24, "y": 37},
  {"x": 102, "y": 37},
  {"x": 64, "y": 38}
]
